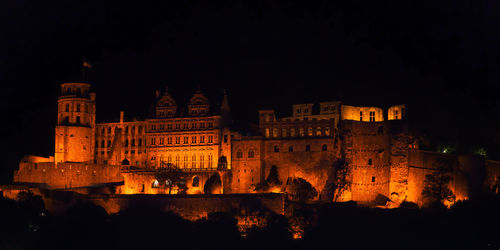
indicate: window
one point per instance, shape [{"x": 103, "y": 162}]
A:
[
  {"x": 250, "y": 154},
  {"x": 140, "y": 129},
  {"x": 210, "y": 139},
  {"x": 301, "y": 131},
  {"x": 109, "y": 130},
  {"x": 169, "y": 140},
  {"x": 372, "y": 116},
  {"x": 155, "y": 184},
  {"x": 239, "y": 154},
  {"x": 202, "y": 161},
  {"x": 276, "y": 149},
  {"x": 177, "y": 140},
  {"x": 78, "y": 119},
  {"x": 373, "y": 178},
  {"x": 369, "y": 161},
  {"x": 267, "y": 132},
  {"x": 396, "y": 114},
  {"x": 153, "y": 127},
  {"x": 170, "y": 126},
  {"x": 210, "y": 160},
  {"x": 308, "y": 148},
  {"x": 186, "y": 159},
  {"x": 310, "y": 131},
  {"x": 78, "y": 107},
  {"x": 225, "y": 138},
  {"x": 102, "y": 144},
  {"x": 153, "y": 141},
  {"x": 126, "y": 142},
  {"x": 177, "y": 160},
  {"x": 193, "y": 159},
  {"x": 177, "y": 126},
  {"x": 139, "y": 143},
  {"x": 162, "y": 126},
  {"x": 327, "y": 131},
  {"x": 185, "y": 126},
  {"x": 318, "y": 131},
  {"x": 162, "y": 140},
  {"x": 275, "y": 132},
  {"x": 193, "y": 125},
  {"x": 66, "y": 108},
  {"x": 298, "y": 111},
  {"x": 292, "y": 132},
  {"x": 196, "y": 181},
  {"x": 202, "y": 139},
  {"x": 324, "y": 147},
  {"x": 290, "y": 148},
  {"x": 186, "y": 140},
  {"x": 109, "y": 144},
  {"x": 202, "y": 125},
  {"x": 126, "y": 130},
  {"x": 210, "y": 124},
  {"x": 360, "y": 115},
  {"x": 193, "y": 140},
  {"x": 283, "y": 132}
]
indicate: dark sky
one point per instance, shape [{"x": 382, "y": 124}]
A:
[{"x": 441, "y": 58}]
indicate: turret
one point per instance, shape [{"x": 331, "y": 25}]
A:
[{"x": 75, "y": 130}]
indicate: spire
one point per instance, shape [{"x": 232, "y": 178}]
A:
[{"x": 225, "y": 111}]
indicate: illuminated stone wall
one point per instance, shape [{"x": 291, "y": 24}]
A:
[
  {"x": 362, "y": 113},
  {"x": 66, "y": 175},
  {"x": 246, "y": 164},
  {"x": 74, "y": 144},
  {"x": 397, "y": 112},
  {"x": 366, "y": 149}
]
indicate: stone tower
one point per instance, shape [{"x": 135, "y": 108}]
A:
[{"x": 75, "y": 130}]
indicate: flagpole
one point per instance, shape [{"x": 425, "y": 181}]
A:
[{"x": 83, "y": 69}]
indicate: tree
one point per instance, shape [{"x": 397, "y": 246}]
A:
[
  {"x": 436, "y": 188},
  {"x": 272, "y": 180},
  {"x": 300, "y": 189}
]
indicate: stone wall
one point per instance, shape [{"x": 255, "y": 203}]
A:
[
  {"x": 66, "y": 175},
  {"x": 246, "y": 168}
]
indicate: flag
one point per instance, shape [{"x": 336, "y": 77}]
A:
[{"x": 86, "y": 64}]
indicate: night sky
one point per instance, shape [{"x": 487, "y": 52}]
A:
[{"x": 441, "y": 58}]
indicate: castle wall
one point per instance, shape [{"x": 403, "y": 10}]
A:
[
  {"x": 362, "y": 113},
  {"x": 246, "y": 168},
  {"x": 66, "y": 175},
  {"x": 367, "y": 151},
  {"x": 313, "y": 165},
  {"x": 73, "y": 144},
  {"x": 192, "y": 207}
]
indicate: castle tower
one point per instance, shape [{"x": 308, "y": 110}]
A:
[
  {"x": 75, "y": 130},
  {"x": 225, "y": 111}
]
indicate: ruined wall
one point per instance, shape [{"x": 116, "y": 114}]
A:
[
  {"x": 398, "y": 185},
  {"x": 66, "y": 175},
  {"x": 366, "y": 149},
  {"x": 361, "y": 113},
  {"x": 246, "y": 164},
  {"x": 294, "y": 160}
]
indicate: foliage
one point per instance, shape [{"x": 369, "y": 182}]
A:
[
  {"x": 300, "y": 189},
  {"x": 342, "y": 184},
  {"x": 436, "y": 188},
  {"x": 213, "y": 184},
  {"x": 175, "y": 178},
  {"x": 272, "y": 180}
]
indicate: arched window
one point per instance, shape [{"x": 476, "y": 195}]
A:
[
  {"x": 324, "y": 147},
  {"x": 155, "y": 184},
  {"x": 196, "y": 181},
  {"x": 202, "y": 161},
  {"x": 327, "y": 131},
  {"x": 250, "y": 154},
  {"x": 310, "y": 131},
  {"x": 177, "y": 160},
  {"x": 239, "y": 154},
  {"x": 318, "y": 131}
]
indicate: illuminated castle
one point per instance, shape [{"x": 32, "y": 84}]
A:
[{"x": 197, "y": 152}]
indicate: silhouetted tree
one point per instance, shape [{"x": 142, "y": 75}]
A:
[
  {"x": 436, "y": 188},
  {"x": 300, "y": 189}
]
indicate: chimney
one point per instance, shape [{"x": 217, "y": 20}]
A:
[{"x": 121, "y": 116}]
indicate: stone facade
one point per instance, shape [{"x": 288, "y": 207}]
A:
[{"x": 198, "y": 144}]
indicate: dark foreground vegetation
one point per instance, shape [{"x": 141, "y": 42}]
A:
[{"x": 25, "y": 224}]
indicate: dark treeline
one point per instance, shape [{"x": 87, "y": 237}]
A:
[{"x": 467, "y": 225}]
